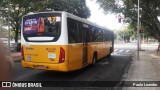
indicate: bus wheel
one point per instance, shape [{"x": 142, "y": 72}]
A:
[
  {"x": 109, "y": 55},
  {"x": 94, "y": 59}
]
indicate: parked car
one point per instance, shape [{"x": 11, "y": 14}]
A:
[{"x": 18, "y": 47}]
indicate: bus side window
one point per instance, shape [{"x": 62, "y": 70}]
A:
[
  {"x": 93, "y": 34},
  {"x": 106, "y": 37},
  {"x": 110, "y": 37},
  {"x": 73, "y": 34},
  {"x": 96, "y": 34},
  {"x": 99, "y": 35},
  {"x": 80, "y": 31}
]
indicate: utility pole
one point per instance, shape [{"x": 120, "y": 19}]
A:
[
  {"x": 138, "y": 33},
  {"x": 8, "y": 27}
]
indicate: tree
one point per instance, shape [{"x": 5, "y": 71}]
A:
[
  {"x": 76, "y": 7},
  {"x": 18, "y": 8},
  {"x": 3, "y": 30},
  {"x": 149, "y": 11},
  {"x": 15, "y": 9},
  {"x": 126, "y": 33}
]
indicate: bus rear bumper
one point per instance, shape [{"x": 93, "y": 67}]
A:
[{"x": 46, "y": 66}]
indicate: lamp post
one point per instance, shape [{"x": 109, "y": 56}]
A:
[
  {"x": 138, "y": 33},
  {"x": 8, "y": 28}
]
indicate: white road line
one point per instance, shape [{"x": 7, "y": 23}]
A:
[
  {"x": 121, "y": 50},
  {"x": 115, "y": 54},
  {"x": 127, "y": 50},
  {"x": 115, "y": 50}
]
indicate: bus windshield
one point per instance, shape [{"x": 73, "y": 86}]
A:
[{"x": 42, "y": 27}]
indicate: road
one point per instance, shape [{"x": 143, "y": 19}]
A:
[{"x": 108, "y": 69}]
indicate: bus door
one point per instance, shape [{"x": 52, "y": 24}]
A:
[{"x": 85, "y": 39}]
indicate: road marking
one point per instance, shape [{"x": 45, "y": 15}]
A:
[
  {"x": 121, "y": 50},
  {"x": 115, "y": 50},
  {"x": 127, "y": 50},
  {"x": 118, "y": 52},
  {"x": 115, "y": 54}
]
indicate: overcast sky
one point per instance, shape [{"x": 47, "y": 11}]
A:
[{"x": 110, "y": 21}]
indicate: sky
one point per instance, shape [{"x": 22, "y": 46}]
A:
[{"x": 97, "y": 16}]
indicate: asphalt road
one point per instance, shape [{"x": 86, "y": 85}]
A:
[
  {"x": 108, "y": 69},
  {"x": 101, "y": 71}
]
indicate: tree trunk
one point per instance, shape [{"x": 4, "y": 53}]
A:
[
  {"x": 16, "y": 36},
  {"x": 16, "y": 31}
]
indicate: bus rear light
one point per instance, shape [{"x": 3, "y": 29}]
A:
[
  {"x": 62, "y": 55},
  {"x": 22, "y": 53}
]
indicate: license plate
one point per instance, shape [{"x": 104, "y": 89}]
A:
[
  {"x": 40, "y": 67},
  {"x": 51, "y": 55},
  {"x": 29, "y": 58}
]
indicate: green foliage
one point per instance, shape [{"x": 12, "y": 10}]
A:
[
  {"x": 18, "y": 8},
  {"x": 149, "y": 10},
  {"x": 126, "y": 33},
  {"x": 13, "y": 10},
  {"x": 76, "y": 7},
  {"x": 110, "y": 6},
  {"x": 107, "y": 4},
  {"x": 3, "y": 31}
]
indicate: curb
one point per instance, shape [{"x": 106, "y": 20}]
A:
[{"x": 120, "y": 85}]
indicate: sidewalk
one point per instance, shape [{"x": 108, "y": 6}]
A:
[
  {"x": 16, "y": 56},
  {"x": 150, "y": 45},
  {"x": 147, "y": 68}
]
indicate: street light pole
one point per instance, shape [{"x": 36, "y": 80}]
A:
[
  {"x": 8, "y": 29},
  {"x": 140, "y": 40},
  {"x": 138, "y": 34}
]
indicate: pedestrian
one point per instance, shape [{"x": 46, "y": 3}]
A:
[
  {"x": 158, "y": 46},
  {"x": 158, "y": 37}
]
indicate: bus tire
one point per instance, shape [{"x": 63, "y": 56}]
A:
[
  {"x": 94, "y": 58},
  {"x": 109, "y": 55}
]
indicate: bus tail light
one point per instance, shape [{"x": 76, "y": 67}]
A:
[
  {"x": 62, "y": 55},
  {"x": 22, "y": 53}
]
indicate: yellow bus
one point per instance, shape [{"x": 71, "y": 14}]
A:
[{"x": 60, "y": 41}]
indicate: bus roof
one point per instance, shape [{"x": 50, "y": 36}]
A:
[{"x": 74, "y": 17}]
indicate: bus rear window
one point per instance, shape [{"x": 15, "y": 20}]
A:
[{"x": 42, "y": 27}]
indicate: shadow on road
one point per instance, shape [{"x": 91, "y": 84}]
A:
[{"x": 101, "y": 71}]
